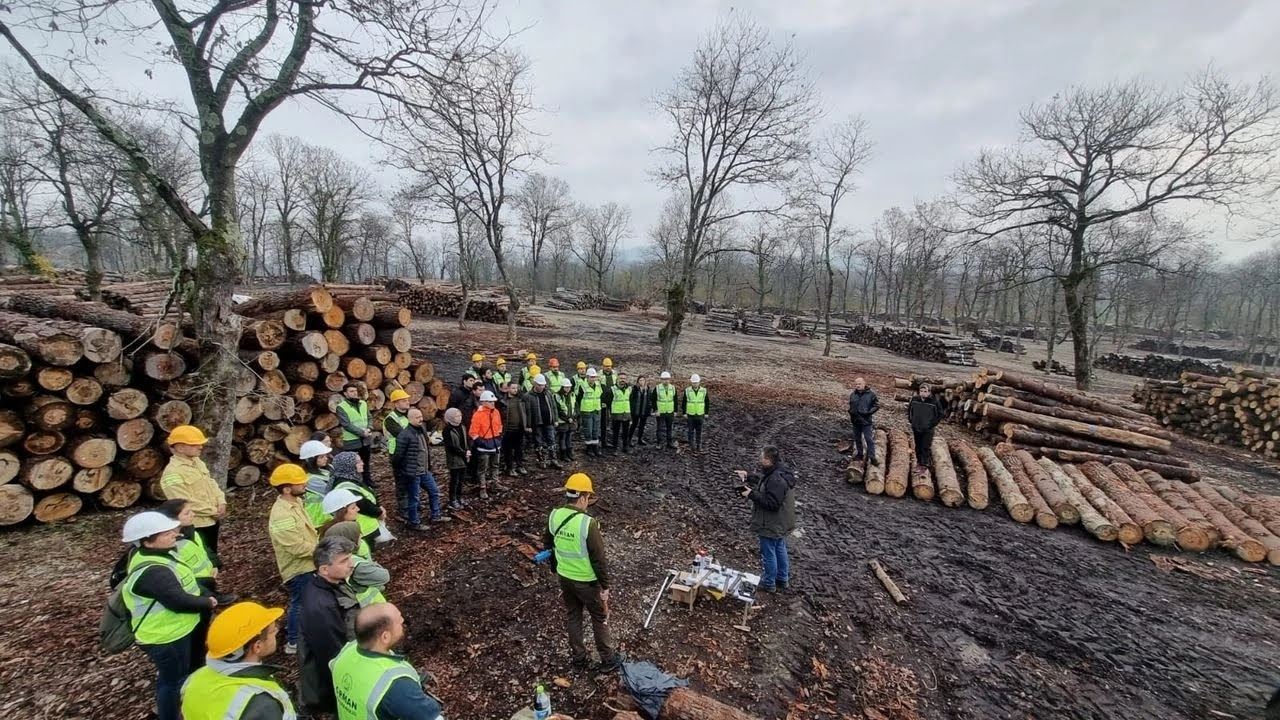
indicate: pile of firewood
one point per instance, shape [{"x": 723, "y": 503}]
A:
[
  {"x": 1056, "y": 368},
  {"x": 1240, "y": 409},
  {"x": 564, "y": 299},
  {"x": 761, "y": 324},
  {"x": 1161, "y": 367},
  {"x": 933, "y": 345},
  {"x": 444, "y": 300},
  {"x": 1113, "y": 501},
  {"x": 813, "y": 327},
  {"x": 721, "y": 320},
  {"x": 1206, "y": 352},
  {"x": 129, "y": 292},
  {"x": 98, "y": 389},
  {"x": 999, "y": 342}
]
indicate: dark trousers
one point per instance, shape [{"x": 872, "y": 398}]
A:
[
  {"x": 293, "y": 617},
  {"x": 638, "y": 425},
  {"x": 666, "y": 421},
  {"x": 456, "y": 477},
  {"x": 512, "y": 449},
  {"x": 924, "y": 447},
  {"x": 366, "y": 456},
  {"x": 173, "y": 665},
  {"x": 579, "y": 596},
  {"x": 864, "y": 434},
  {"x": 606, "y": 421},
  {"x": 564, "y": 442},
  {"x": 622, "y": 426},
  {"x": 693, "y": 428},
  {"x": 210, "y": 536}
]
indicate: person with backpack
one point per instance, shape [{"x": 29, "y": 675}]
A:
[
  {"x": 236, "y": 683},
  {"x": 164, "y": 602},
  {"x": 190, "y": 551}
]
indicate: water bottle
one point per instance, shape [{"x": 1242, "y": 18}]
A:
[
  {"x": 700, "y": 561},
  {"x": 541, "y": 703}
]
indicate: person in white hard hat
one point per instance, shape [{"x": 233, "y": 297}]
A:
[
  {"x": 166, "y": 604},
  {"x": 566, "y": 419},
  {"x": 342, "y": 505},
  {"x": 695, "y": 411},
  {"x": 542, "y": 415},
  {"x": 486, "y": 439},
  {"x": 665, "y": 403},
  {"x": 315, "y": 455},
  {"x": 589, "y": 401}
]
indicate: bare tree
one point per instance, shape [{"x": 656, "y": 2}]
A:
[
  {"x": 409, "y": 215},
  {"x": 739, "y": 114},
  {"x": 334, "y": 191},
  {"x": 764, "y": 243},
  {"x": 1092, "y": 157},
  {"x": 286, "y": 156},
  {"x": 599, "y": 232},
  {"x": 18, "y": 181},
  {"x": 255, "y": 213},
  {"x": 545, "y": 209}
]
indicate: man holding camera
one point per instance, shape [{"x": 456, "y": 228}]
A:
[{"x": 771, "y": 491}]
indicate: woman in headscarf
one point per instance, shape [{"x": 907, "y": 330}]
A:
[{"x": 345, "y": 471}]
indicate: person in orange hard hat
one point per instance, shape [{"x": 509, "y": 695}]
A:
[
  {"x": 187, "y": 477},
  {"x": 235, "y": 682}
]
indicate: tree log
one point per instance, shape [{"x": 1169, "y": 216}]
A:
[
  {"x": 84, "y": 391},
  {"x": 46, "y": 473},
  {"x": 330, "y": 363},
  {"x": 400, "y": 339},
  {"x": 261, "y": 359},
  {"x": 922, "y": 484},
  {"x": 161, "y": 334},
  {"x": 1187, "y": 535},
  {"x": 337, "y": 341},
  {"x": 86, "y": 420},
  {"x": 1014, "y": 501},
  {"x": 1044, "y": 515},
  {"x": 16, "y": 504},
  {"x": 975, "y": 474},
  {"x": 9, "y": 466},
  {"x": 135, "y": 434},
  {"x": 900, "y": 462},
  {"x": 373, "y": 376},
  {"x": 1072, "y": 456},
  {"x": 92, "y": 452},
  {"x": 379, "y": 354},
  {"x": 273, "y": 383},
  {"x": 1000, "y": 413},
  {"x": 144, "y": 464},
  {"x": 305, "y": 371},
  {"x": 873, "y": 475},
  {"x": 303, "y": 394},
  {"x": 259, "y": 451},
  {"x": 325, "y": 422},
  {"x": 424, "y": 371},
  {"x": 1165, "y": 491},
  {"x": 1049, "y": 490},
  {"x": 359, "y": 307},
  {"x": 14, "y": 362},
  {"x": 353, "y": 366},
  {"x": 277, "y": 407},
  {"x": 309, "y": 344},
  {"x": 294, "y": 319},
  {"x": 120, "y": 494},
  {"x": 1263, "y": 508},
  {"x": 53, "y": 378},
  {"x": 1068, "y": 413},
  {"x": 1024, "y": 436},
  {"x": 101, "y": 345},
  {"x": 1093, "y": 521},
  {"x": 164, "y": 366},
  {"x": 330, "y": 319},
  {"x": 314, "y": 298},
  {"x": 685, "y": 704},
  {"x": 273, "y": 431},
  {"x": 11, "y": 428},
  {"x": 20, "y": 388},
  {"x": 91, "y": 480},
  {"x": 246, "y": 475},
  {"x": 1231, "y": 537},
  {"x": 54, "y": 342},
  {"x": 335, "y": 381},
  {"x": 247, "y": 409},
  {"x": 360, "y": 333},
  {"x": 43, "y": 442},
  {"x": 113, "y": 375},
  {"x": 391, "y": 315},
  {"x": 1242, "y": 520},
  {"x": 1156, "y": 529},
  {"x": 1071, "y": 397},
  {"x": 170, "y": 414},
  {"x": 54, "y": 416},
  {"x": 56, "y": 507},
  {"x": 298, "y": 434},
  {"x": 948, "y": 485},
  {"x": 1127, "y": 531}
]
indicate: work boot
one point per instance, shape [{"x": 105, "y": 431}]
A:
[
  {"x": 581, "y": 663},
  {"x": 291, "y": 649},
  {"x": 441, "y": 519},
  {"x": 554, "y": 465},
  {"x": 611, "y": 664},
  {"x": 418, "y": 528},
  {"x": 484, "y": 491}
]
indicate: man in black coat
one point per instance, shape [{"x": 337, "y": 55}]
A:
[
  {"x": 771, "y": 491},
  {"x": 327, "y": 620},
  {"x": 644, "y": 402},
  {"x": 412, "y": 466},
  {"x": 924, "y": 413},
  {"x": 863, "y": 405}
]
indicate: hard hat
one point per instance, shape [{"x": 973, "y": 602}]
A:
[
  {"x": 477, "y": 358},
  {"x": 694, "y": 378},
  {"x": 187, "y": 435},
  {"x": 608, "y": 362},
  {"x": 335, "y": 500},
  {"x": 145, "y": 524},
  {"x": 579, "y": 483},
  {"x": 535, "y": 370},
  {"x": 582, "y": 365},
  {"x": 566, "y": 382},
  {"x": 288, "y": 474},
  {"x": 665, "y": 375},
  {"x": 313, "y": 448},
  {"x": 531, "y": 356},
  {"x": 238, "y": 626},
  {"x": 398, "y": 394},
  {"x": 500, "y": 361},
  {"x": 487, "y": 396},
  {"x": 539, "y": 379},
  {"x": 591, "y": 372},
  {"x": 553, "y": 363}
]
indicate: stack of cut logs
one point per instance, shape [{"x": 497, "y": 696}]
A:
[
  {"x": 812, "y": 326},
  {"x": 721, "y": 320},
  {"x": 1060, "y": 423},
  {"x": 483, "y": 305},
  {"x": 1217, "y": 353},
  {"x": 758, "y": 324},
  {"x": 98, "y": 389},
  {"x": 1056, "y": 368},
  {"x": 1241, "y": 409},
  {"x": 1114, "y": 501},
  {"x": 564, "y": 299},
  {"x": 935, "y": 346},
  {"x": 999, "y": 342},
  {"x": 1161, "y": 367}
]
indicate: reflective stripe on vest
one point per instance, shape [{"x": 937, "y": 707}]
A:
[
  {"x": 621, "y": 404},
  {"x": 159, "y": 625},
  {"x": 501, "y": 378},
  {"x": 590, "y": 398},
  {"x": 553, "y": 379},
  {"x": 360, "y": 681},
  {"x": 695, "y": 401},
  {"x": 357, "y": 415},
  {"x": 210, "y": 695},
  {"x": 369, "y": 595},
  {"x": 367, "y": 523},
  {"x": 564, "y": 405},
  {"x": 570, "y": 544},
  {"x": 666, "y": 399},
  {"x": 194, "y": 555},
  {"x": 398, "y": 422}
]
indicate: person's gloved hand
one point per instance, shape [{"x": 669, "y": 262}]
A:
[{"x": 542, "y": 557}]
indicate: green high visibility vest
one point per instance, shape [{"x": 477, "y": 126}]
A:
[
  {"x": 570, "y": 544},
  {"x": 159, "y": 625},
  {"x": 553, "y": 379},
  {"x": 608, "y": 378},
  {"x": 210, "y": 695},
  {"x": 358, "y": 414},
  {"x": 501, "y": 378},
  {"x": 194, "y": 555},
  {"x": 621, "y": 404},
  {"x": 313, "y": 505},
  {"x": 367, "y": 523},
  {"x": 666, "y": 398},
  {"x": 590, "y": 401},
  {"x": 564, "y": 403},
  {"x": 392, "y": 424},
  {"x": 360, "y": 681},
  {"x": 369, "y": 595},
  {"x": 579, "y": 382},
  {"x": 695, "y": 401}
]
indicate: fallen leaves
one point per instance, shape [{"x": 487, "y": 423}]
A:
[{"x": 562, "y": 682}]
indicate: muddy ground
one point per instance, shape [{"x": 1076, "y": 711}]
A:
[{"x": 1004, "y": 620}]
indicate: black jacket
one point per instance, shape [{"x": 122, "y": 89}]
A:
[
  {"x": 538, "y": 405},
  {"x": 924, "y": 415},
  {"x": 863, "y": 405},
  {"x": 458, "y": 396},
  {"x": 412, "y": 456},
  {"x": 773, "y": 511},
  {"x": 327, "y": 622},
  {"x": 643, "y": 402},
  {"x": 161, "y": 585},
  {"x": 456, "y": 445}
]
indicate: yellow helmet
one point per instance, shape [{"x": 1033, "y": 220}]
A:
[
  {"x": 582, "y": 365},
  {"x": 397, "y": 395},
  {"x": 531, "y": 356},
  {"x": 238, "y": 625},
  {"x": 477, "y": 358},
  {"x": 187, "y": 435},
  {"x": 608, "y": 362},
  {"x": 534, "y": 370},
  {"x": 288, "y": 474},
  {"x": 500, "y": 362},
  {"x": 579, "y": 483}
]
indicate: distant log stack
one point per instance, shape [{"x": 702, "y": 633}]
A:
[
  {"x": 1241, "y": 409},
  {"x": 483, "y": 304},
  {"x": 999, "y": 342},
  {"x": 926, "y": 344},
  {"x": 563, "y": 299},
  {"x": 1159, "y": 367},
  {"x": 102, "y": 387},
  {"x": 721, "y": 320},
  {"x": 1056, "y": 368}
]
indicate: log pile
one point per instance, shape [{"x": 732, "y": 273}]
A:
[
  {"x": 564, "y": 299},
  {"x": 131, "y": 293},
  {"x": 1218, "y": 353},
  {"x": 445, "y": 300},
  {"x": 761, "y": 324},
  {"x": 1054, "y": 368},
  {"x": 999, "y": 342},
  {"x": 1160, "y": 367},
  {"x": 99, "y": 389},
  {"x": 917, "y": 343},
  {"x": 1240, "y": 409},
  {"x": 1110, "y": 501},
  {"x": 813, "y": 327},
  {"x": 721, "y": 320}
]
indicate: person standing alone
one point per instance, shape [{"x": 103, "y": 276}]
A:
[
  {"x": 771, "y": 491},
  {"x": 863, "y": 405},
  {"x": 924, "y": 413}
]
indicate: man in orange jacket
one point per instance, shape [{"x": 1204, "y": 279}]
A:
[{"x": 486, "y": 443}]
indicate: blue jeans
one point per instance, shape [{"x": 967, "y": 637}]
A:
[
  {"x": 864, "y": 435},
  {"x": 412, "y": 488},
  {"x": 590, "y": 422},
  {"x": 295, "y": 585},
  {"x": 173, "y": 665},
  {"x": 545, "y": 436},
  {"x": 777, "y": 566}
]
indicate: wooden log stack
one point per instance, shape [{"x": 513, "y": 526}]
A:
[
  {"x": 1054, "y": 368},
  {"x": 98, "y": 389},
  {"x": 1159, "y": 367},
  {"x": 721, "y": 320},
  {"x": 563, "y": 299},
  {"x": 935, "y": 346},
  {"x": 1242, "y": 409},
  {"x": 445, "y": 300}
]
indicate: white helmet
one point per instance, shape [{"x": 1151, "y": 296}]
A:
[
  {"x": 665, "y": 375},
  {"x": 694, "y": 378},
  {"x": 591, "y": 372},
  {"x": 313, "y": 448},
  {"x": 539, "y": 379},
  {"x": 145, "y": 524},
  {"x": 335, "y": 500},
  {"x": 487, "y": 396},
  {"x": 566, "y": 382}
]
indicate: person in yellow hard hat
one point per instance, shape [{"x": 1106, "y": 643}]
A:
[
  {"x": 581, "y": 378},
  {"x": 392, "y": 424},
  {"x": 530, "y": 374},
  {"x": 608, "y": 381},
  {"x": 477, "y": 366},
  {"x": 294, "y": 539},
  {"x": 187, "y": 477},
  {"x": 578, "y": 558},
  {"x": 235, "y": 683},
  {"x": 500, "y": 375},
  {"x": 530, "y": 361}
]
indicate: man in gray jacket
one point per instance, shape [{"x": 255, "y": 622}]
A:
[
  {"x": 412, "y": 465},
  {"x": 771, "y": 491},
  {"x": 863, "y": 405}
]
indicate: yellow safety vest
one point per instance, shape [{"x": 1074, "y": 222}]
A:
[
  {"x": 367, "y": 523},
  {"x": 695, "y": 401},
  {"x": 361, "y": 680},
  {"x": 621, "y": 404},
  {"x": 155, "y": 624},
  {"x": 194, "y": 555},
  {"x": 608, "y": 378},
  {"x": 210, "y": 695},
  {"x": 570, "y": 544},
  {"x": 398, "y": 421},
  {"x": 369, "y": 595},
  {"x": 358, "y": 414},
  {"x": 553, "y": 379},
  {"x": 590, "y": 401},
  {"x": 501, "y": 378},
  {"x": 666, "y": 398}
]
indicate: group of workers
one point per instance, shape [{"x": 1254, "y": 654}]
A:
[{"x": 924, "y": 412}]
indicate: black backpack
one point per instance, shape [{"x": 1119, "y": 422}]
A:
[{"x": 117, "y": 629}]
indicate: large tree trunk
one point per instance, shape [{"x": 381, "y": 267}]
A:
[
  {"x": 669, "y": 335},
  {"x": 1078, "y": 321},
  {"x": 826, "y": 295}
]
